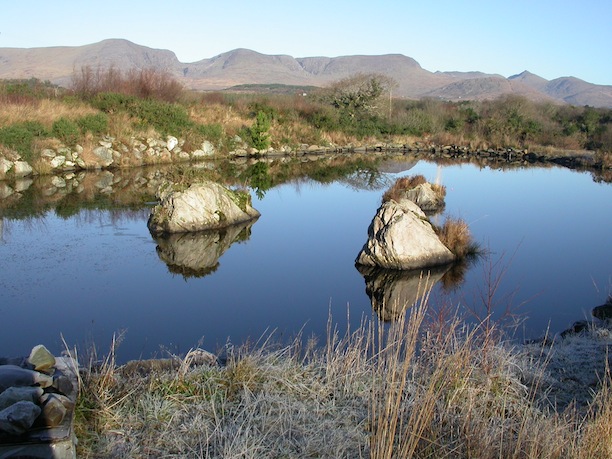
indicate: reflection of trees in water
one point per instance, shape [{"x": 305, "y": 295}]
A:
[
  {"x": 197, "y": 254},
  {"x": 367, "y": 179}
]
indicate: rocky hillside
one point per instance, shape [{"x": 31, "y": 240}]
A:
[{"x": 243, "y": 66}]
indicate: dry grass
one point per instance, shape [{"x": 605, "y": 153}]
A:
[
  {"x": 401, "y": 185},
  {"x": 455, "y": 234},
  {"x": 45, "y": 111},
  {"x": 381, "y": 391}
]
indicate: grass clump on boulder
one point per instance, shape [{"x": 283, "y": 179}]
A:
[{"x": 455, "y": 234}]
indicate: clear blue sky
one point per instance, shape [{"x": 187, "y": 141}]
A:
[{"x": 551, "y": 38}]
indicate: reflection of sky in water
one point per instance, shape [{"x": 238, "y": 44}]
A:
[{"x": 93, "y": 275}]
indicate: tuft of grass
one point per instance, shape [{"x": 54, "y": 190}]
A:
[
  {"x": 401, "y": 185},
  {"x": 455, "y": 234}
]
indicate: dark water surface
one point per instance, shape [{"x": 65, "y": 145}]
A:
[{"x": 98, "y": 272}]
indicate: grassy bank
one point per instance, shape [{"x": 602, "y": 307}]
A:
[
  {"x": 419, "y": 387},
  {"x": 145, "y": 104}
]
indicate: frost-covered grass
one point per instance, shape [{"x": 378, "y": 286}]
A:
[{"x": 406, "y": 389}]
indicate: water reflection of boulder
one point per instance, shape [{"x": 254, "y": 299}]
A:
[
  {"x": 391, "y": 291},
  {"x": 197, "y": 254}
]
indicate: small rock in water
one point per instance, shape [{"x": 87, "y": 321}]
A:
[
  {"x": 41, "y": 358},
  {"x": 18, "y": 418}
]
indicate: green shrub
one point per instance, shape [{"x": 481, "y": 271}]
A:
[
  {"x": 258, "y": 133},
  {"x": 66, "y": 130},
  {"x": 211, "y": 132},
  {"x": 96, "y": 124},
  {"x": 19, "y": 137},
  {"x": 110, "y": 102},
  {"x": 165, "y": 117}
]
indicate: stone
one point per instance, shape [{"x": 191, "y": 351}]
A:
[
  {"x": 426, "y": 198},
  {"x": 53, "y": 410},
  {"x": 18, "y": 418},
  {"x": 57, "y": 161},
  {"x": 401, "y": 237},
  {"x": 5, "y": 166},
  {"x": 184, "y": 156},
  {"x": 22, "y": 169},
  {"x": 208, "y": 148},
  {"x": 12, "y": 375},
  {"x": 48, "y": 153},
  {"x": 171, "y": 142},
  {"x": 13, "y": 395},
  {"x": 41, "y": 358},
  {"x": 81, "y": 163},
  {"x": 201, "y": 206},
  {"x": 104, "y": 156},
  {"x": 604, "y": 312}
]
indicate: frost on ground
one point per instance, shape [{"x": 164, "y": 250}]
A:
[{"x": 574, "y": 366}]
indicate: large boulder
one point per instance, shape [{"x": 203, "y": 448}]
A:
[
  {"x": 401, "y": 237},
  {"x": 201, "y": 206}
]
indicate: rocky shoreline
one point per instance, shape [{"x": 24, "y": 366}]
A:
[{"x": 111, "y": 153}]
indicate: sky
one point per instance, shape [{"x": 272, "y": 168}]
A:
[{"x": 551, "y": 38}]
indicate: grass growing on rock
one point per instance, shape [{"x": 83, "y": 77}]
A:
[
  {"x": 399, "y": 188},
  {"x": 409, "y": 389},
  {"x": 455, "y": 234}
]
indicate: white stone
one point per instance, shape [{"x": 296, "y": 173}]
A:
[
  {"x": 5, "y": 166},
  {"x": 48, "y": 153},
  {"x": 205, "y": 205},
  {"x": 104, "y": 156},
  {"x": 171, "y": 143},
  {"x": 22, "y": 169},
  {"x": 58, "y": 161},
  {"x": 401, "y": 237}
]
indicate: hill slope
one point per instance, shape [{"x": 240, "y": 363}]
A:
[{"x": 243, "y": 66}]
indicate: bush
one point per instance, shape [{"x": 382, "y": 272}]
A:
[
  {"x": 96, "y": 124},
  {"x": 19, "y": 137},
  {"x": 258, "y": 133},
  {"x": 66, "y": 130},
  {"x": 164, "y": 117}
]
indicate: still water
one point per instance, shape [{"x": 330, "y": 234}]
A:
[{"x": 95, "y": 273}]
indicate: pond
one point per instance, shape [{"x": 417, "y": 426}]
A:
[{"x": 84, "y": 273}]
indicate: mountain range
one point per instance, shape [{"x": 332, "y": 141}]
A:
[{"x": 243, "y": 66}]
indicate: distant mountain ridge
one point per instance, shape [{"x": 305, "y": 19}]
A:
[{"x": 244, "y": 66}]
